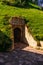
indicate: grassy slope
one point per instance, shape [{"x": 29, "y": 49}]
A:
[{"x": 34, "y": 17}]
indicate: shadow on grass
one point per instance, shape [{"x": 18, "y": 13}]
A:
[{"x": 5, "y": 42}]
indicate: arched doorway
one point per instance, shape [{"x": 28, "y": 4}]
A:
[{"x": 17, "y": 35}]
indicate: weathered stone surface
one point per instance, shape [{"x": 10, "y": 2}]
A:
[
  {"x": 21, "y": 57},
  {"x": 18, "y": 30},
  {"x": 8, "y": 63},
  {"x": 2, "y": 64},
  {"x": 30, "y": 39},
  {"x": 2, "y": 60},
  {"x": 6, "y": 56}
]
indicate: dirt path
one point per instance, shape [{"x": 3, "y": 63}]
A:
[
  {"x": 33, "y": 50},
  {"x": 26, "y": 47}
]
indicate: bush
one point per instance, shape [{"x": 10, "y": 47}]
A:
[
  {"x": 19, "y": 3},
  {"x": 6, "y": 2},
  {"x": 5, "y": 42}
]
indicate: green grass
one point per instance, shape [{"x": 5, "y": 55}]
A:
[{"x": 32, "y": 14}]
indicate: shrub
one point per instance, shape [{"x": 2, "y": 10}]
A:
[
  {"x": 19, "y": 3},
  {"x": 5, "y": 42}
]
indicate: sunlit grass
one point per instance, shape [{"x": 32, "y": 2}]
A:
[{"x": 33, "y": 15}]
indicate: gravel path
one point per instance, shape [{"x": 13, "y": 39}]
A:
[{"x": 21, "y": 57}]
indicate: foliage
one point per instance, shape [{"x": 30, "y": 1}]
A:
[
  {"x": 32, "y": 15},
  {"x": 5, "y": 42},
  {"x": 19, "y": 3}
]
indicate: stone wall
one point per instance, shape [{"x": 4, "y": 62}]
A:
[{"x": 29, "y": 39}]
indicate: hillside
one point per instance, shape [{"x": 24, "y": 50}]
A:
[{"x": 32, "y": 15}]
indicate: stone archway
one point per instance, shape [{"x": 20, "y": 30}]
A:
[
  {"x": 18, "y": 31},
  {"x": 17, "y": 35}
]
